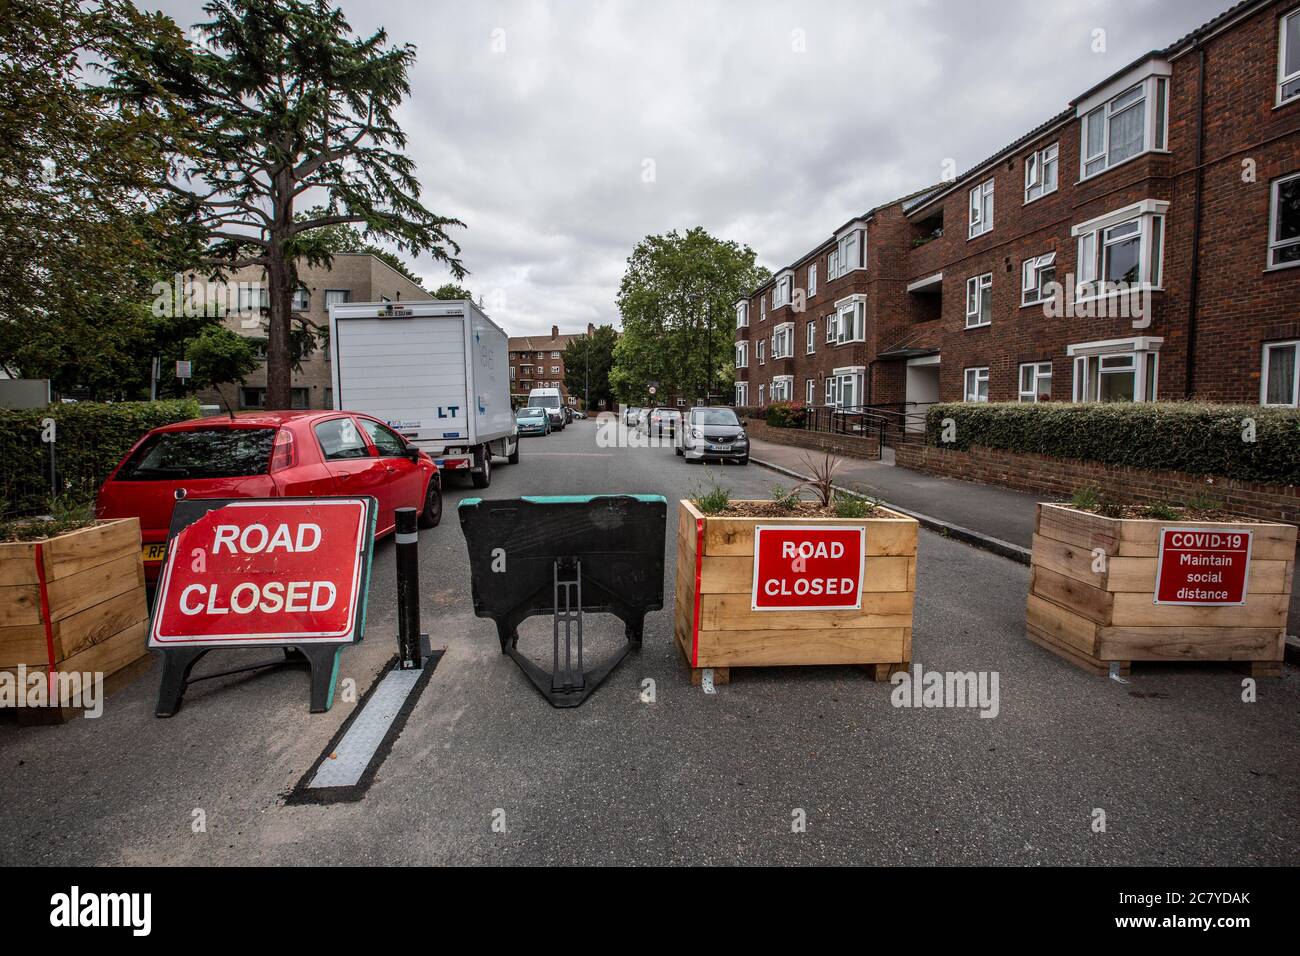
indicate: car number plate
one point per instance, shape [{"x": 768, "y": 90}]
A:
[{"x": 153, "y": 552}]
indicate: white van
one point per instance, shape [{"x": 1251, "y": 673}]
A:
[{"x": 551, "y": 400}]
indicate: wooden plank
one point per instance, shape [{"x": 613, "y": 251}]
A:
[
  {"x": 1068, "y": 559},
  {"x": 1138, "y": 575},
  {"x": 1061, "y": 624},
  {"x": 1189, "y": 643},
  {"x": 87, "y": 628},
  {"x": 1137, "y": 610},
  {"x": 1079, "y": 528},
  {"x": 87, "y": 548},
  {"x": 1076, "y": 658},
  {"x": 732, "y": 612},
  {"x": 885, "y": 536},
  {"x": 20, "y": 604},
  {"x": 1084, "y": 600},
  {"x": 777, "y": 648},
  {"x": 87, "y": 588},
  {"x": 734, "y": 574},
  {"x": 18, "y": 563},
  {"x": 1271, "y": 542}
]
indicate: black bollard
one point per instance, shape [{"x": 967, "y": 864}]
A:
[{"x": 408, "y": 590}]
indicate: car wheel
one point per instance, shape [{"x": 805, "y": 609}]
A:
[
  {"x": 513, "y": 457},
  {"x": 432, "y": 513},
  {"x": 482, "y": 479},
  {"x": 743, "y": 461},
  {"x": 680, "y": 453}
]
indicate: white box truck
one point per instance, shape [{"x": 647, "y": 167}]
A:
[{"x": 437, "y": 371}]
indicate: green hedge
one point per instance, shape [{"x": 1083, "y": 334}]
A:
[
  {"x": 91, "y": 439},
  {"x": 1193, "y": 437}
]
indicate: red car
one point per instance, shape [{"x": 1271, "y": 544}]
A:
[{"x": 268, "y": 455}]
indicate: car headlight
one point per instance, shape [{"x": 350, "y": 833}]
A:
[
  {"x": 696, "y": 433},
  {"x": 742, "y": 437}
]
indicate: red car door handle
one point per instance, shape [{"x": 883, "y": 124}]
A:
[{"x": 342, "y": 475}]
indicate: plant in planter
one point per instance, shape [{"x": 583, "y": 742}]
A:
[
  {"x": 1113, "y": 583},
  {"x": 834, "y": 583},
  {"x": 72, "y": 599}
]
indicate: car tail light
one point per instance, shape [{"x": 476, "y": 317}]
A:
[{"x": 282, "y": 454}]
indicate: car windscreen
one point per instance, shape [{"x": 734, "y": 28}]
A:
[
  {"x": 714, "y": 416},
  {"x": 532, "y": 412},
  {"x": 545, "y": 401},
  {"x": 201, "y": 453}
]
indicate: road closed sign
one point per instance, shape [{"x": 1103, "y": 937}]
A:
[
  {"x": 817, "y": 568},
  {"x": 265, "y": 571},
  {"x": 1202, "y": 566}
]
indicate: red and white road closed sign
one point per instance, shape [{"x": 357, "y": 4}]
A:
[
  {"x": 808, "y": 568},
  {"x": 1202, "y": 566},
  {"x": 266, "y": 572}
]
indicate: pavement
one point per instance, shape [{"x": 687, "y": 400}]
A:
[
  {"x": 997, "y": 519},
  {"x": 486, "y": 772}
]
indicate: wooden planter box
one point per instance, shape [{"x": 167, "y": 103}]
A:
[
  {"x": 75, "y": 602},
  {"x": 1099, "y": 618},
  {"x": 716, "y": 626}
]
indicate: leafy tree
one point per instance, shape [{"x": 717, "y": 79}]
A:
[
  {"x": 677, "y": 299},
  {"x": 320, "y": 244},
  {"x": 587, "y": 362},
  {"x": 86, "y": 227},
  {"x": 449, "y": 290},
  {"x": 288, "y": 104}
]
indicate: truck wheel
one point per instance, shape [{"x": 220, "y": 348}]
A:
[
  {"x": 483, "y": 478},
  {"x": 514, "y": 455},
  {"x": 432, "y": 512}
]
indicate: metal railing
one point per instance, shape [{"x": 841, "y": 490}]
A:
[{"x": 891, "y": 424}]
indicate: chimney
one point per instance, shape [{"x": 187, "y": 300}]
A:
[
  {"x": 555, "y": 331},
  {"x": 591, "y": 329}
]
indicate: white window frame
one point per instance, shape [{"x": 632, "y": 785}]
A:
[
  {"x": 812, "y": 279},
  {"x": 851, "y": 320},
  {"x": 782, "y": 388},
  {"x": 810, "y": 391},
  {"x": 1036, "y": 165},
  {"x": 742, "y": 393},
  {"x": 1144, "y": 352},
  {"x": 975, "y": 287},
  {"x": 847, "y": 381},
  {"x": 1092, "y": 238},
  {"x": 1153, "y": 92},
  {"x": 301, "y": 299},
  {"x": 1037, "y": 376},
  {"x": 783, "y": 341},
  {"x": 979, "y": 209},
  {"x": 1295, "y": 373},
  {"x": 1284, "y": 78},
  {"x": 811, "y": 336},
  {"x": 762, "y": 351},
  {"x": 832, "y": 328},
  {"x": 1275, "y": 193},
  {"x": 781, "y": 291},
  {"x": 1031, "y": 284},
  {"x": 742, "y": 315},
  {"x": 762, "y": 394},
  {"x": 762, "y": 307},
  {"x": 742, "y": 355},
  {"x": 976, "y": 375},
  {"x": 832, "y": 267}
]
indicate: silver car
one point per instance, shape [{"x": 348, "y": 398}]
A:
[{"x": 716, "y": 433}]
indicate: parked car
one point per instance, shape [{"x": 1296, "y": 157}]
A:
[
  {"x": 551, "y": 400},
  {"x": 629, "y": 416},
  {"x": 533, "y": 421},
  {"x": 580, "y": 415},
  {"x": 268, "y": 455},
  {"x": 713, "y": 432},
  {"x": 665, "y": 421}
]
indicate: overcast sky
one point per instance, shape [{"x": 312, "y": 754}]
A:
[{"x": 563, "y": 131}]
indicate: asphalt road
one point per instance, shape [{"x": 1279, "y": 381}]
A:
[{"x": 1185, "y": 772}]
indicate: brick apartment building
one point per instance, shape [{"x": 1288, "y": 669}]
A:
[
  {"x": 353, "y": 277},
  {"x": 1163, "y": 202},
  {"x": 538, "y": 362}
]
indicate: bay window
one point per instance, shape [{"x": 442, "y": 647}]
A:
[
  {"x": 844, "y": 386},
  {"x": 979, "y": 300},
  {"x": 742, "y": 314},
  {"x": 977, "y": 384},
  {"x": 781, "y": 292},
  {"x": 1119, "y": 370},
  {"x": 1129, "y": 123},
  {"x": 742, "y": 393},
  {"x": 1280, "y": 383},
  {"x": 1284, "y": 222},
  {"x": 742, "y": 355},
  {"x": 1037, "y": 276},
  {"x": 782, "y": 388},
  {"x": 1041, "y": 172},
  {"x": 981, "y": 210},
  {"x": 1036, "y": 381},
  {"x": 851, "y": 324},
  {"x": 783, "y": 341},
  {"x": 1122, "y": 249}
]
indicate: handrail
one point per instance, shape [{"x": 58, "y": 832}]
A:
[{"x": 892, "y": 423}]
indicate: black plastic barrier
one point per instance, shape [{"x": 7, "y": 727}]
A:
[{"x": 563, "y": 556}]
